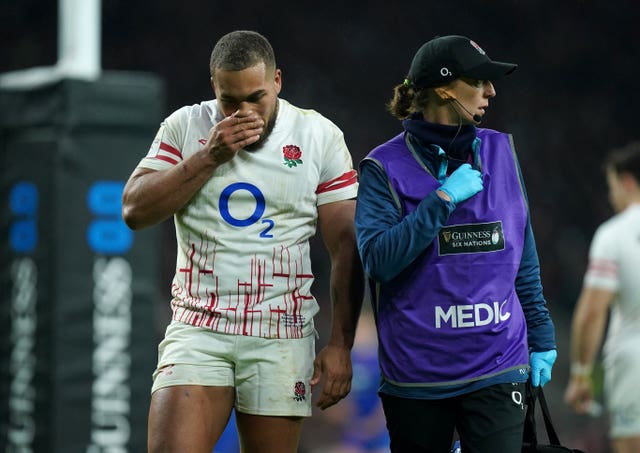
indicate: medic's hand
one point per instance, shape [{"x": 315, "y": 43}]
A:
[
  {"x": 462, "y": 184},
  {"x": 541, "y": 364}
]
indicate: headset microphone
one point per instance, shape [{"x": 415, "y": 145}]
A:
[{"x": 475, "y": 117}]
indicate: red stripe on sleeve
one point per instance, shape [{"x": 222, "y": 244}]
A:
[
  {"x": 170, "y": 149},
  {"x": 603, "y": 268},
  {"x": 166, "y": 159},
  {"x": 347, "y": 179}
]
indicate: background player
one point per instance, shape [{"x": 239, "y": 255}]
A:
[{"x": 611, "y": 284}]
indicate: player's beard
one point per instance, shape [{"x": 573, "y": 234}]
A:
[{"x": 267, "y": 131}]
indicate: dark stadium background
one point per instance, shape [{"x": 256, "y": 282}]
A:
[{"x": 574, "y": 96}]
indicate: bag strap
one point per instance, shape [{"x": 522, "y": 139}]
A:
[
  {"x": 551, "y": 432},
  {"x": 530, "y": 435}
]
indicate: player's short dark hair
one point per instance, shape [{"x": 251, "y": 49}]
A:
[
  {"x": 625, "y": 160},
  {"x": 241, "y": 49}
]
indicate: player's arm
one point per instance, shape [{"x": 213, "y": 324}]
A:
[
  {"x": 150, "y": 196},
  {"x": 587, "y": 332},
  {"x": 333, "y": 362}
]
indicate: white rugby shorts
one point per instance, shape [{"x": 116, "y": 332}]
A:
[
  {"x": 270, "y": 376},
  {"x": 622, "y": 392}
]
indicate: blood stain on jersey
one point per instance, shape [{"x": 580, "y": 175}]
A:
[{"x": 167, "y": 370}]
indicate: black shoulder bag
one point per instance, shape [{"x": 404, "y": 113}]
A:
[{"x": 530, "y": 442}]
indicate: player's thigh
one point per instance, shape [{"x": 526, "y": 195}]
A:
[
  {"x": 188, "y": 417},
  {"x": 267, "y": 434},
  {"x": 192, "y": 392},
  {"x": 492, "y": 419}
]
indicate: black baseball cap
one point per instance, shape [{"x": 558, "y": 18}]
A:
[{"x": 446, "y": 58}]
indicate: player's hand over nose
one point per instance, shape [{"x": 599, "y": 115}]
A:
[
  {"x": 333, "y": 364},
  {"x": 233, "y": 133},
  {"x": 462, "y": 184}
]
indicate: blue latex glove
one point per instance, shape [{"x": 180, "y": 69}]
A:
[
  {"x": 463, "y": 183},
  {"x": 541, "y": 364}
]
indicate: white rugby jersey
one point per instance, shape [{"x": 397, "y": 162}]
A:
[
  {"x": 243, "y": 262},
  {"x": 614, "y": 265}
]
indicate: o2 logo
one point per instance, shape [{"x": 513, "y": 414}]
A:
[
  {"x": 107, "y": 234},
  {"x": 23, "y": 203},
  {"x": 223, "y": 204}
]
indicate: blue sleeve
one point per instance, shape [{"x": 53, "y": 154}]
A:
[
  {"x": 540, "y": 328},
  {"x": 387, "y": 241},
  {"x": 541, "y": 332}
]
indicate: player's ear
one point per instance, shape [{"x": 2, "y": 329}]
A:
[
  {"x": 213, "y": 85},
  {"x": 629, "y": 182},
  {"x": 277, "y": 80}
]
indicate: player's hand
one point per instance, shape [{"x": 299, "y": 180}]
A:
[
  {"x": 333, "y": 365},
  {"x": 233, "y": 133},
  {"x": 578, "y": 394}
]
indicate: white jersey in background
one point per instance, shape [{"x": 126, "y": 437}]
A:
[
  {"x": 614, "y": 265},
  {"x": 243, "y": 263}
]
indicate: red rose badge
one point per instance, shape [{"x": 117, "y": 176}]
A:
[
  {"x": 292, "y": 155},
  {"x": 299, "y": 391}
]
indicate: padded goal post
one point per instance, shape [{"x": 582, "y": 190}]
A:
[{"x": 77, "y": 334}]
